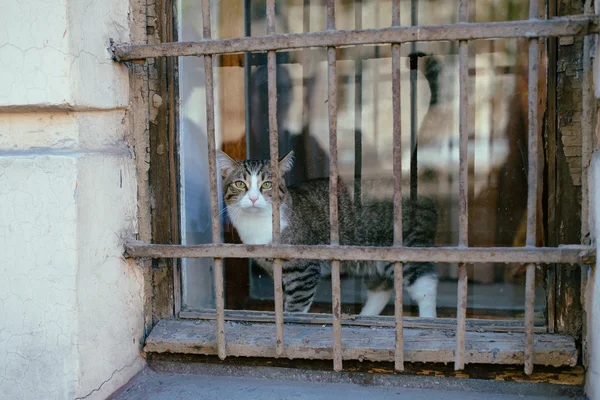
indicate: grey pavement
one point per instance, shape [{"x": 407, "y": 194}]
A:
[{"x": 154, "y": 385}]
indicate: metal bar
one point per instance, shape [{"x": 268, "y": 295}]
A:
[
  {"x": 247, "y": 72},
  {"x": 397, "y": 164},
  {"x": 551, "y": 147},
  {"x": 477, "y": 325},
  {"x": 414, "y": 65},
  {"x": 572, "y": 254},
  {"x": 275, "y": 175},
  {"x": 358, "y": 71},
  {"x": 492, "y": 50},
  {"x": 212, "y": 169},
  {"x": 173, "y": 143},
  {"x": 532, "y": 189},
  {"x": 376, "y": 80},
  {"x": 579, "y": 25},
  {"x": 463, "y": 183},
  {"x": 529, "y": 317},
  {"x": 333, "y": 194}
]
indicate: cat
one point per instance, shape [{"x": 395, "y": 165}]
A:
[{"x": 304, "y": 220}]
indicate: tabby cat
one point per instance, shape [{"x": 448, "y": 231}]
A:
[{"x": 304, "y": 212}]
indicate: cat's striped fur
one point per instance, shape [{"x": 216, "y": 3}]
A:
[{"x": 248, "y": 191}]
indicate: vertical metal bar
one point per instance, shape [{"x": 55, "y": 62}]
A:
[
  {"x": 173, "y": 141},
  {"x": 492, "y": 50},
  {"x": 358, "y": 71},
  {"x": 397, "y": 161},
  {"x": 532, "y": 189},
  {"x": 551, "y": 160},
  {"x": 463, "y": 179},
  {"x": 333, "y": 188},
  {"x": 414, "y": 63},
  {"x": 247, "y": 72},
  {"x": 212, "y": 167},
  {"x": 375, "y": 84},
  {"x": 587, "y": 118},
  {"x": 275, "y": 174}
]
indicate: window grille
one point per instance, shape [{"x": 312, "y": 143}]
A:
[{"x": 395, "y": 35}]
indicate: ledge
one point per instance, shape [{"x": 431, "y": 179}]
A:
[{"x": 358, "y": 342}]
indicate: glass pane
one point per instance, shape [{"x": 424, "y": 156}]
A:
[{"x": 497, "y": 140}]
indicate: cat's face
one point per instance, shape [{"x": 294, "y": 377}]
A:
[{"x": 248, "y": 185}]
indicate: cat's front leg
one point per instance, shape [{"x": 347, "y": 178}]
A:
[
  {"x": 300, "y": 280},
  {"x": 421, "y": 282},
  {"x": 378, "y": 294},
  {"x": 422, "y": 287}
]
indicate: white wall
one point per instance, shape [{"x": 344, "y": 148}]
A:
[{"x": 71, "y": 308}]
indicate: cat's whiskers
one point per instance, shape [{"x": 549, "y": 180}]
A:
[{"x": 226, "y": 208}]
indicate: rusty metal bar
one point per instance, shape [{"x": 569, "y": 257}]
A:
[
  {"x": 529, "y": 317},
  {"x": 275, "y": 176},
  {"x": 572, "y": 254},
  {"x": 214, "y": 201},
  {"x": 397, "y": 164},
  {"x": 414, "y": 67},
  {"x": 463, "y": 183},
  {"x": 358, "y": 86},
  {"x": 333, "y": 191},
  {"x": 532, "y": 188},
  {"x": 577, "y": 25}
]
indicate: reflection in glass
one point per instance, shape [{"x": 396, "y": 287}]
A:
[{"x": 497, "y": 142}]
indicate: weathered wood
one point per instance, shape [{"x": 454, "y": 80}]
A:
[
  {"x": 568, "y": 179},
  {"x": 160, "y": 164},
  {"x": 359, "y": 343},
  {"x": 479, "y": 325}
]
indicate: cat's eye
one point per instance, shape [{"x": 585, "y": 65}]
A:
[
  {"x": 267, "y": 185},
  {"x": 240, "y": 184}
]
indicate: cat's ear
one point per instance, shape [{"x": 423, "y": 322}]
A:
[
  {"x": 225, "y": 163},
  {"x": 286, "y": 163}
]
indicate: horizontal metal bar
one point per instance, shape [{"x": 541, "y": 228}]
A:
[
  {"x": 576, "y": 25},
  {"x": 472, "y": 324},
  {"x": 540, "y": 255}
]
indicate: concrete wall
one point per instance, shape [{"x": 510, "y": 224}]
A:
[{"x": 71, "y": 309}]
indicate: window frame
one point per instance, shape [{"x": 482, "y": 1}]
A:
[{"x": 164, "y": 184}]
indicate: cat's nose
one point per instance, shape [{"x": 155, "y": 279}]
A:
[{"x": 253, "y": 199}]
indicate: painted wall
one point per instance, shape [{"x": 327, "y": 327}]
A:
[{"x": 71, "y": 309}]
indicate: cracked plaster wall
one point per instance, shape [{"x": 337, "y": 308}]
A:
[
  {"x": 71, "y": 308},
  {"x": 54, "y": 54}
]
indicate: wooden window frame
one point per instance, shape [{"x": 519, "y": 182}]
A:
[{"x": 169, "y": 334}]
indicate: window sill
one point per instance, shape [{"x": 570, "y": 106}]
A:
[{"x": 359, "y": 343}]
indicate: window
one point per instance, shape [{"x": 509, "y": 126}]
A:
[{"x": 466, "y": 116}]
